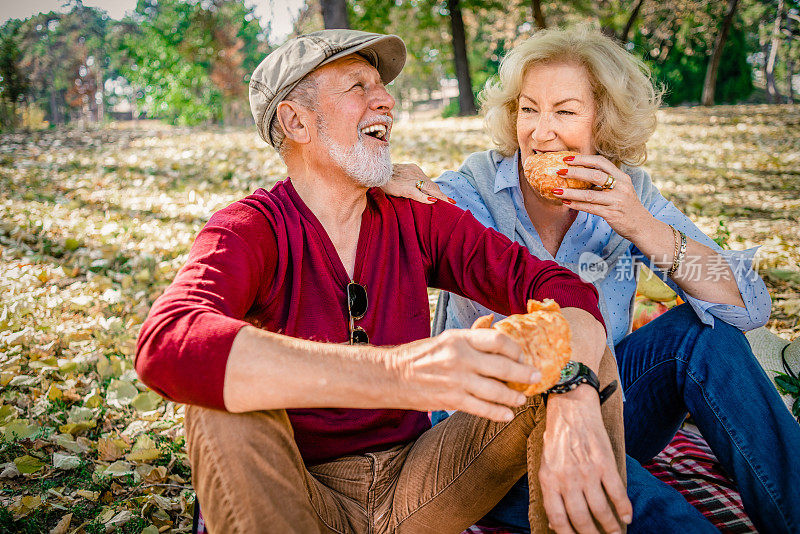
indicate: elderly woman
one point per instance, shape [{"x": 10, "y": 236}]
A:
[{"x": 577, "y": 90}]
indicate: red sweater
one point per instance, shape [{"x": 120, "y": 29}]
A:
[{"x": 266, "y": 260}]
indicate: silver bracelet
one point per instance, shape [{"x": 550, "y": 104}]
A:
[{"x": 680, "y": 251}]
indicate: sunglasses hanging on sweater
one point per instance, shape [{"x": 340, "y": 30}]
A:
[{"x": 357, "y": 308}]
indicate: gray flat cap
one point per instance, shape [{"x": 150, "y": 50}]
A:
[{"x": 283, "y": 68}]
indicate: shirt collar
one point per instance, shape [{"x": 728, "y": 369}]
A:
[{"x": 507, "y": 175}]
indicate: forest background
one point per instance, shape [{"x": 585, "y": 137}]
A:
[{"x": 121, "y": 137}]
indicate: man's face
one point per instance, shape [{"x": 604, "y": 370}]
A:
[{"x": 354, "y": 120}]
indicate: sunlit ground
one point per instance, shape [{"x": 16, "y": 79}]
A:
[{"x": 96, "y": 223}]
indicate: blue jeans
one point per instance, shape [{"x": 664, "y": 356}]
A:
[{"x": 675, "y": 365}]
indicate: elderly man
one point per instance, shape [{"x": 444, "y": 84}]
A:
[{"x": 298, "y": 331}]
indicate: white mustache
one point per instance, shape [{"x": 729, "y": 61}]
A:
[{"x": 386, "y": 120}]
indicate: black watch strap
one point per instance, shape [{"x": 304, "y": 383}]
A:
[
  {"x": 574, "y": 374},
  {"x": 608, "y": 391}
]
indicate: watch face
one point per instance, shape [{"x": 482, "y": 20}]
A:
[{"x": 568, "y": 372}]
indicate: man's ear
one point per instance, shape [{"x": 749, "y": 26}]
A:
[{"x": 294, "y": 120}]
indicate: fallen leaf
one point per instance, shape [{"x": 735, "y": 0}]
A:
[
  {"x": 62, "y": 526},
  {"x": 144, "y": 450},
  {"x": 53, "y": 393},
  {"x": 120, "y": 393},
  {"x": 19, "y": 429},
  {"x": 146, "y": 401},
  {"x": 77, "y": 428},
  {"x": 65, "y": 461},
  {"x": 111, "y": 449},
  {"x": 25, "y": 505},
  {"x": 23, "y": 381},
  {"x": 120, "y": 519},
  {"x": 119, "y": 468},
  {"x": 88, "y": 495},
  {"x": 9, "y": 470},
  {"x": 28, "y": 464},
  {"x": 67, "y": 441}
]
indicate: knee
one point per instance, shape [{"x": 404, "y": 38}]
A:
[
  {"x": 719, "y": 337},
  {"x": 221, "y": 429}
]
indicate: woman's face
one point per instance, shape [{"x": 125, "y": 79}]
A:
[{"x": 556, "y": 110}]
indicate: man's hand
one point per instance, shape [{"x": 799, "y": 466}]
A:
[
  {"x": 463, "y": 370},
  {"x": 579, "y": 474},
  {"x": 409, "y": 181}
]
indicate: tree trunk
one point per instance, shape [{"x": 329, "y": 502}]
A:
[
  {"x": 102, "y": 91},
  {"x": 773, "y": 95},
  {"x": 716, "y": 55},
  {"x": 466, "y": 102},
  {"x": 55, "y": 118},
  {"x": 623, "y": 38},
  {"x": 538, "y": 16},
  {"x": 334, "y": 13}
]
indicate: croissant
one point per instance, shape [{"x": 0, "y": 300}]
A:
[
  {"x": 540, "y": 171},
  {"x": 544, "y": 335}
]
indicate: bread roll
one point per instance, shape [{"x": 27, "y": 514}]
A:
[
  {"x": 540, "y": 171},
  {"x": 545, "y": 338}
]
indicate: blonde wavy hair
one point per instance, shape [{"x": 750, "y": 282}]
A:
[{"x": 626, "y": 99}]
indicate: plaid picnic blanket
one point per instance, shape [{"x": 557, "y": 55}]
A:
[{"x": 688, "y": 465}]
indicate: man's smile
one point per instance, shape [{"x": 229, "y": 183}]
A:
[{"x": 378, "y": 128}]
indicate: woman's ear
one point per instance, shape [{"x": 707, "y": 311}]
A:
[{"x": 294, "y": 120}]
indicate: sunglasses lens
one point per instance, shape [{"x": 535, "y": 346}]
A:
[
  {"x": 359, "y": 337},
  {"x": 356, "y": 300}
]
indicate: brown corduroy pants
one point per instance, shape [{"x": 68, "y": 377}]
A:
[{"x": 250, "y": 478}]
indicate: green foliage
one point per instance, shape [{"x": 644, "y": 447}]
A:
[
  {"x": 13, "y": 83},
  {"x": 165, "y": 65},
  {"x": 680, "y": 62},
  {"x": 65, "y": 57},
  {"x": 722, "y": 236},
  {"x": 187, "y": 58},
  {"x": 451, "y": 109},
  {"x": 790, "y": 385}
]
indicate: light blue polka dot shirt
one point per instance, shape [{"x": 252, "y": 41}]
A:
[{"x": 591, "y": 233}]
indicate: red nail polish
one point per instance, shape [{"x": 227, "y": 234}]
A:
[
  {"x": 566, "y": 202},
  {"x": 450, "y": 200},
  {"x": 568, "y": 158},
  {"x": 432, "y": 199},
  {"x": 561, "y": 172},
  {"x": 558, "y": 191}
]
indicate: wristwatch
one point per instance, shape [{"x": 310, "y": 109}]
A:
[{"x": 574, "y": 374}]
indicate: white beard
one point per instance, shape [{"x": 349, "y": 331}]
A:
[{"x": 367, "y": 166}]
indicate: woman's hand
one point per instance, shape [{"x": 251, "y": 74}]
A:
[
  {"x": 620, "y": 206},
  {"x": 405, "y": 177},
  {"x": 580, "y": 482}
]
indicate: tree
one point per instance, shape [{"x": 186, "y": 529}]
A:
[
  {"x": 233, "y": 48},
  {"x": 672, "y": 40},
  {"x": 773, "y": 95},
  {"x": 623, "y": 37},
  {"x": 13, "y": 83},
  {"x": 713, "y": 64},
  {"x": 334, "y": 13},
  {"x": 189, "y": 61},
  {"x": 538, "y": 15},
  {"x": 65, "y": 56},
  {"x": 466, "y": 101}
]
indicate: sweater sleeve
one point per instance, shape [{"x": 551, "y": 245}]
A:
[
  {"x": 481, "y": 264},
  {"x": 184, "y": 343}
]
